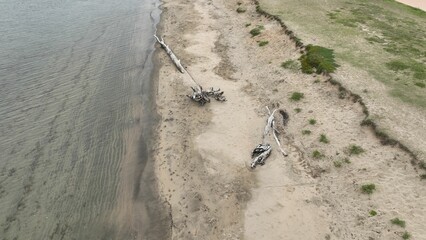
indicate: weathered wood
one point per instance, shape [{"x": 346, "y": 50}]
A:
[
  {"x": 260, "y": 154},
  {"x": 271, "y": 121},
  {"x": 203, "y": 97},
  {"x": 172, "y": 56},
  {"x": 262, "y": 151},
  {"x": 198, "y": 94}
]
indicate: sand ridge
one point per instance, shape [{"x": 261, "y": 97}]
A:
[{"x": 203, "y": 152}]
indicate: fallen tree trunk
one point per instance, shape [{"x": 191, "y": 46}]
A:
[
  {"x": 262, "y": 151},
  {"x": 198, "y": 94},
  {"x": 271, "y": 121},
  {"x": 175, "y": 60}
]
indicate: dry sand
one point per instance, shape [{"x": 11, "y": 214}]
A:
[
  {"x": 203, "y": 152},
  {"x": 415, "y": 3}
]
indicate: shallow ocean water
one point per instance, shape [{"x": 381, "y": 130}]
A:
[{"x": 72, "y": 75}]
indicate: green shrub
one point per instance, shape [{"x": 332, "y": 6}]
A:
[
  {"x": 318, "y": 59},
  {"x": 324, "y": 139},
  {"x": 317, "y": 154},
  {"x": 373, "y": 213},
  {"x": 296, "y": 96},
  {"x": 368, "y": 188},
  {"x": 355, "y": 150},
  {"x": 312, "y": 121},
  {"x": 406, "y": 235},
  {"x": 423, "y": 176},
  {"x": 248, "y": 24},
  {"x": 306, "y": 132},
  {"x": 297, "y": 110},
  {"x": 398, "y": 222},
  {"x": 255, "y": 31},
  {"x": 263, "y": 43}
]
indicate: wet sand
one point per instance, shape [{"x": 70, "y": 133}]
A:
[{"x": 76, "y": 119}]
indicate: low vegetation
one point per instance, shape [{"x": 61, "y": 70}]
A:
[
  {"x": 398, "y": 222},
  {"x": 317, "y": 154},
  {"x": 406, "y": 235},
  {"x": 257, "y": 30},
  {"x": 324, "y": 139},
  {"x": 297, "y": 110},
  {"x": 355, "y": 150},
  {"x": 337, "y": 164},
  {"x": 386, "y": 31},
  {"x": 373, "y": 213},
  {"x": 296, "y": 96},
  {"x": 263, "y": 43},
  {"x": 306, "y": 132},
  {"x": 368, "y": 188},
  {"x": 241, "y": 10},
  {"x": 312, "y": 121},
  {"x": 291, "y": 65},
  {"x": 318, "y": 59}
]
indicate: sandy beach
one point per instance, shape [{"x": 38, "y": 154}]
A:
[{"x": 203, "y": 153}]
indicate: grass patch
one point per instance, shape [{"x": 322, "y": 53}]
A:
[
  {"x": 398, "y": 222},
  {"x": 324, "y": 139},
  {"x": 297, "y": 110},
  {"x": 296, "y": 96},
  {"x": 386, "y": 31},
  {"x": 312, "y": 121},
  {"x": 318, "y": 59},
  {"x": 346, "y": 160},
  {"x": 355, "y": 150},
  {"x": 423, "y": 176},
  {"x": 317, "y": 154},
  {"x": 248, "y": 24},
  {"x": 397, "y": 65},
  {"x": 368, "y": 188},
  {"x": 373, "y": 213},
  {"x": 406, "y": 235},
  {"x": 420, "y": 84},
  {"x": 306, "y": 132},
  {"x": 263, "y": 43},
  {"x": 338, "y": 164}
]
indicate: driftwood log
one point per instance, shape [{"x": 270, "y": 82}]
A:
[
  {"x": 198, "y": 94},
  {"x": 203, "y": 97},
  {"x": 260, "y": 154},
  {"x": 262, "y": 151},
  {"x": 175, "y": 60}
]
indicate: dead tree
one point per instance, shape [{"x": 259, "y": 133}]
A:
[
  {"x": 203, "y": 97},
  {"x": 198, "y": 94},
  {"x": 263, "y": 150}
]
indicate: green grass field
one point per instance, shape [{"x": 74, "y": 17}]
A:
[{"x": 385, "y": 38}]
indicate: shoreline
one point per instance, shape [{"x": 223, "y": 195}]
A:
[{"x": 202, "y": 153}]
